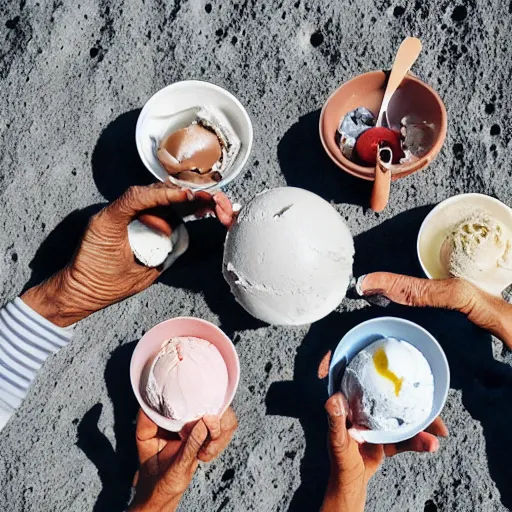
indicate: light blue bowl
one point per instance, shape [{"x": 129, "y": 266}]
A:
[{"x": 368, "y": 332}]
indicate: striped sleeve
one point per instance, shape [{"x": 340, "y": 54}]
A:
[{"x": 26, "y": 340}]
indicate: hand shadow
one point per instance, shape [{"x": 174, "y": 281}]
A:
[
  {"x": 482, "y": 380},
  {"x": 116, "y": 164},
  {"x": 59, "y": 246},
  {"x": 116, "y": 468},
  {"x": 305, "y": 164},
  {"x": 200, "y": 271}
]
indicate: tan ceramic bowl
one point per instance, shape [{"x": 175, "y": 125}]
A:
[{"x": 367, "y": 90}]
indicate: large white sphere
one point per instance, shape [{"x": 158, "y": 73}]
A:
[{"x": 288, "y": 258}]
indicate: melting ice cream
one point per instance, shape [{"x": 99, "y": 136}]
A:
[
  {"x": 201, "y": 152},
  {"x": 187, "y": 380},
  {"x": 389, "y": 385}
]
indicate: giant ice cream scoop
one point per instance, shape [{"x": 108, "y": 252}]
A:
[
  {"x": 288, "y": 258},
  {"x": 389, "y": 385}
]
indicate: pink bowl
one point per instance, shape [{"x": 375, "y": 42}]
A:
[{"x": 151, "y": 343}]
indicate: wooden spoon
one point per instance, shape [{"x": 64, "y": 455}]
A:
[{"x": 405, "y": 58}]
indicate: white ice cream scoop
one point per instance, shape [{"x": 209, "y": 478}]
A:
[
  {"x": 389, "y": 385},
  {"x": 288, "y": 258},
  {"x": 153, "y": 248}
]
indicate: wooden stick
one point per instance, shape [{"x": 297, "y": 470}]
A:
[{"x": 382, "y": 183}]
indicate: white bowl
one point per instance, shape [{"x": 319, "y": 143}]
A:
[
  {"x": 171, "y": 109},
  {"x": 368, "y": 332},
  {"x": 440, "y": 221}
]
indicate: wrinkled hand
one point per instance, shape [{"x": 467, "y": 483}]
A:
[
  {"x": 354, "y": 462},
  {"x": 168, "y": 461},
  {"x": 488, "y": 312},
  {"x": 104, "y": 270}
]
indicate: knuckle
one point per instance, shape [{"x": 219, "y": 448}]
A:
[
  {"x": 195, "y": 442},
  {"x": 401, "y": 288},
  {"x": 339, "y": 453},
  {"x": 131, "y": 194},
  {"x": 132, "y": 191},
  {"x": 95, "y": 220}
]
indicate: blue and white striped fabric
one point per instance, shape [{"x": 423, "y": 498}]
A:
[{"x": 26, "y": 340}]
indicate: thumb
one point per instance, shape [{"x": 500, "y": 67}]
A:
[
  {"x": 138, "y": 199},
  {"x": 339, "y": 439},
  {"x": 187, "y": 456}
]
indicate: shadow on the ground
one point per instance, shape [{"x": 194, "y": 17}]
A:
[
  {"x": 305, "y": 164},
  {"x": 59, "y": 246},
  {"x": 200, "y": 271},
  {"x": 486, "y": 384},
  {"x": 116, "y": 467},
  {"x": 116, "y": 164}
]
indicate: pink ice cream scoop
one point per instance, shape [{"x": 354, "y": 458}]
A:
[{"x": 187, "y": 379}]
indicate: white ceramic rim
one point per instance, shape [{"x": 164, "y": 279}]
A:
[
  {"x": 442, "y": 204},
  {"x": 435, "y": 412},
  {"x": 167, "y": 423},
  {"x": 205, "y": 85}
]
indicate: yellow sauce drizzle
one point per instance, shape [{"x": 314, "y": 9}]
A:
[{"x": 380, "y": 360}]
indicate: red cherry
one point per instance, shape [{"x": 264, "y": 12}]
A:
[{"x": 368, "y": 142}]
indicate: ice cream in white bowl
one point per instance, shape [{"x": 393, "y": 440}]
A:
[
  {"x": 187, "y": 124},
  {"x": 468, "y": 236},
  {"x": 395, "y": 376}
]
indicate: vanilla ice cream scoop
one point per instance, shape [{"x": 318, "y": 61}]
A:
[
  {"x": 187, "y": 380},
  {"x": 479, "y": 249},
  {"x": 389, "y": 385},
  {"x": 288, "y": 258}
]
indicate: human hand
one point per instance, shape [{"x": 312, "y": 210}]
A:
[
  {"x": 488, "y": 312},
  {"x": 168, "y": 460},
  {"x": 104, "y": 270},
  {"x": 354, "y": 462}
]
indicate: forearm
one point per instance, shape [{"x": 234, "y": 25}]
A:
[
  {"x": 27, "y": 339},
  {"x": 494, "y": 315}
]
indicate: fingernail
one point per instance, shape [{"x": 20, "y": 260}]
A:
[
  {"x": 337, "y": 407},
  {"x": 356, "y": 436},
  {"x": 432, "y": 448},
  {"x": 190, "y": 193}
]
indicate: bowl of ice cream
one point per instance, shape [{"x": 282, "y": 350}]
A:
[
  {"x": 183, "y": 369},
  {"x": 416, "y": 132},
  {"x": 395, "y": 376},
  {"x": 468, "y": 236},
  {"x": 194, "y": 133}
]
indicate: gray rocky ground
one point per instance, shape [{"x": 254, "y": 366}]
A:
[{"x": 73, "y": 77}]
